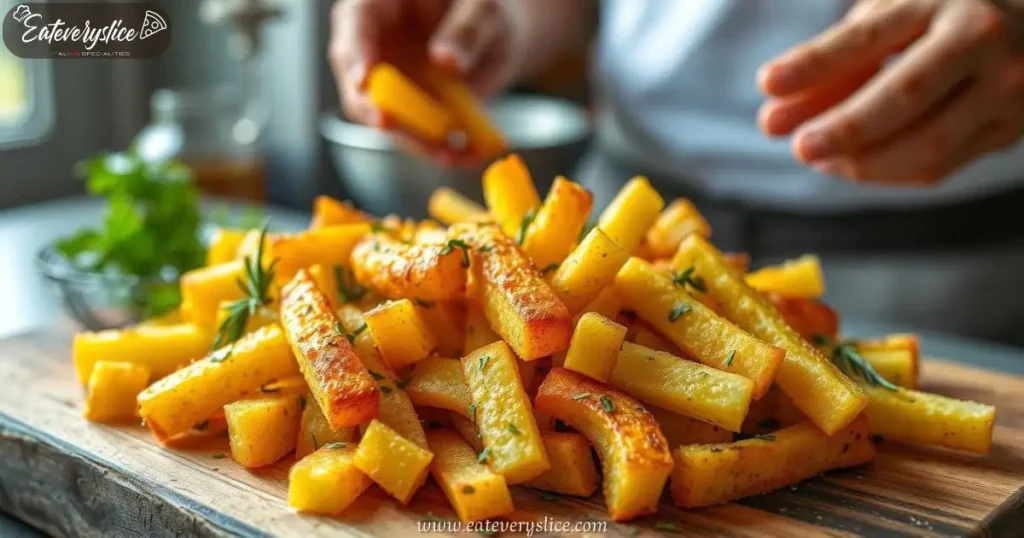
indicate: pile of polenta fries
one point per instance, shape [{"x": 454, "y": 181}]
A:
[{"x": 504, "y": 345}]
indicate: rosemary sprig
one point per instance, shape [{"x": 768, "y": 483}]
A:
[
  {"x": 846, "y": 357},
  {"x": 457, "y": 244},
  {"x": 525, "y": 225},
  {"x": 255, "y": 290}
]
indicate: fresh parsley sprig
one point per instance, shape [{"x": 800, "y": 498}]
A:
[{"x": 255, "y": 289}]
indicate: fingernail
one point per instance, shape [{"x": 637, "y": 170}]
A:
[
  {"x": 447, "y": 55},
  {"x": 827, "y": 167},
  {"x": 776, "y": 79},
  {"x": 813, "y": 145}
]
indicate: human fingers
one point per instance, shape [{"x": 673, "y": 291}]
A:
[{"x": 781, "y": 115}]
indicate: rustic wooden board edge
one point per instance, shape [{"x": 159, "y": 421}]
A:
[
  {"x": 1007, "y": 520},
  {"x": 94, "y": 497}
]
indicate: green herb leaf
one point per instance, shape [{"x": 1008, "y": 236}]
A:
[
  {"x": 485, "y": 249},
  {"x": 219, "y": 456},
  {"x": 513, "y": 430},
  {"x": 524, "y": 225},
  {"x": 665, "y": 526},
  {"x": 606, "y": 403},
  {"x": 375, "y": 375},
  {"x": 846, "y": 357},
  {"x": 730, "y": 358},
  {"x": 483, "y": 361},
  {"x": 765, "y": 437},
  {"x": 460, "y": 244},
  {"x": 581, "y": 396},
  {"x": 336, "y": 445},
  {"x": 482, "y": 457},
  {"x": 472, "y": 412},
  {"x": 687, "y": 278},
  {"x": 348, "y": 289},
  {"x": 678, "y": 311},
  {"x": 385, "y": 389},
  {"x": 255, "y": 291},
  {"x": 549, "y": 268}
]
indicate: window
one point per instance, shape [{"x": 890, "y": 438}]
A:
[{"x": 26, "y": 96}]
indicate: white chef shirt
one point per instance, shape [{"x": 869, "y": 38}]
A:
[{"x": 678, "y": 94}]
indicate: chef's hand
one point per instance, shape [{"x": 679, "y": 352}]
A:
[
  {"x": 955, "y": 93},
  {"x": 475, "y": 38}
]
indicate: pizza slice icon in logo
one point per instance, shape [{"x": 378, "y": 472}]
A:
[{"x": 151, "y": 25}]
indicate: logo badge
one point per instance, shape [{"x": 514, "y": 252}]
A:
[{"x": 87, "y": 30}]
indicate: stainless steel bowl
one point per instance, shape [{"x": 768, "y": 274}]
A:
[{"x": 549, "y": 134}]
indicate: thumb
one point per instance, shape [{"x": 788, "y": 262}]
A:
[{"x": 467, "y": 31}]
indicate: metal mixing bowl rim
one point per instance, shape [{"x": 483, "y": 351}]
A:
[{"x": 338, "y": 130}]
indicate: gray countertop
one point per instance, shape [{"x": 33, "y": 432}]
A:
[{"x": 28, "y": 304}]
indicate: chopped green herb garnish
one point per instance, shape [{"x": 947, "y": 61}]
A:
[
  {"x": 219, "y": 456},
  {"x": 665, "y": 526},
  {"x": 581, "y": 396},
  {"x": 403, "y": 383},
  {"x": 686, "y": 277},
  {"x": 483, "y": 361},
  {"x": 348, "y": 292},
  {"x": 202, "y": 425},
  {"x": 730, "y": 358},
  {"x": 375, "y": 375},
  {"x": 352, "y": 335},
  {"x": 472, "y": 412},
  {"x": 820, "y": 340},
  {"x": 460, "y": 244},
  {"x": 716, "y": 449},
  {"x": 336, "y": 445},
  {"x": 385, "y": 389},
  {"x": 482, "y": 457},
  {"x": 423, "y": 302},
  {"x": 513, "y": 430},
  {"x": 524, "y": 225},
  {"x": 468, "y": 490},
  {"x": 765, "y": 437},
  {"x": 606, "y": 403},
  {"x": 315, "y": 444},
  {"x": 485, "y": 249},
  {"x": 549, "y": 268},
  {"x": 678, "y": 311},
  {"x": 377, "y": 226}
]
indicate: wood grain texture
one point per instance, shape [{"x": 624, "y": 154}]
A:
[{"x": 70, "y": 477}]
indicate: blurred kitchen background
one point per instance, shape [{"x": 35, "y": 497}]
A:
[{"x": 245, "y": 96}]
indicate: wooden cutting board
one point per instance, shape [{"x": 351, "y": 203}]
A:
[{"x": 70, "y": 477}]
